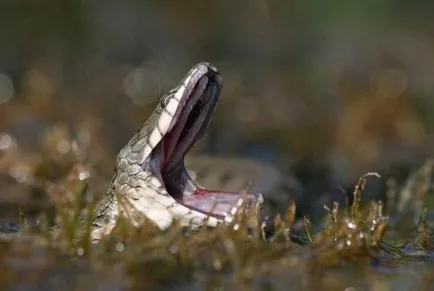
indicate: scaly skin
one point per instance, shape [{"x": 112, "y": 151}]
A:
[{"x": 133, "y": 179}]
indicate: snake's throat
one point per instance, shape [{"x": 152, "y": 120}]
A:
[{"x": 187, "y": 127}]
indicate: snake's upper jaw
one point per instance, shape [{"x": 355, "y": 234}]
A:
[{"x": 187, "y": 127}]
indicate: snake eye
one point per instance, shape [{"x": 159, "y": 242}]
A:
[{"x": 164, "y": 100}]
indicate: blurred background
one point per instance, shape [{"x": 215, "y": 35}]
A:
[{"x": 324, "y": 91}]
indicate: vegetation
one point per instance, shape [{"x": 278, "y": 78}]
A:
[{"x": 246, "y": 253}]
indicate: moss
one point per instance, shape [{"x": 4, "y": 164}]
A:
[{"x": 245, "y": 253}]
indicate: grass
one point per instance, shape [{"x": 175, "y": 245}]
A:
[{"x": 350, "y": 249}]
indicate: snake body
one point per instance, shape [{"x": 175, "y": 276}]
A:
[{"x": 150, "y": 175}]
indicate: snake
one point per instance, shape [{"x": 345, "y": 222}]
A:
[{"x": 150, "y": 177}]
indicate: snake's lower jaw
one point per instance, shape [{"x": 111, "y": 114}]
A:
[
  {"x": 203, "y": 207},
  {"x": 219, "y": 204}
]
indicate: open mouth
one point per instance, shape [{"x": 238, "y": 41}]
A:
[{"x": 188, "y": 125}]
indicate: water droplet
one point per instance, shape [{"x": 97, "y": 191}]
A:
[
  {"x": 217, "y": 265},
  {"x": 120, "y": 247},
  {"x": 6, "y": 141},
  {"x": 80, "y": 251},
  {"x": 6, "y": 88},
  {"x": 83, "y": 175},
  {"x": 63, "y": 146},
  {"x": 173, "y": 249}
]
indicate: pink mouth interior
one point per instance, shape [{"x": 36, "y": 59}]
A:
[{"x": 220, "y": 203}]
